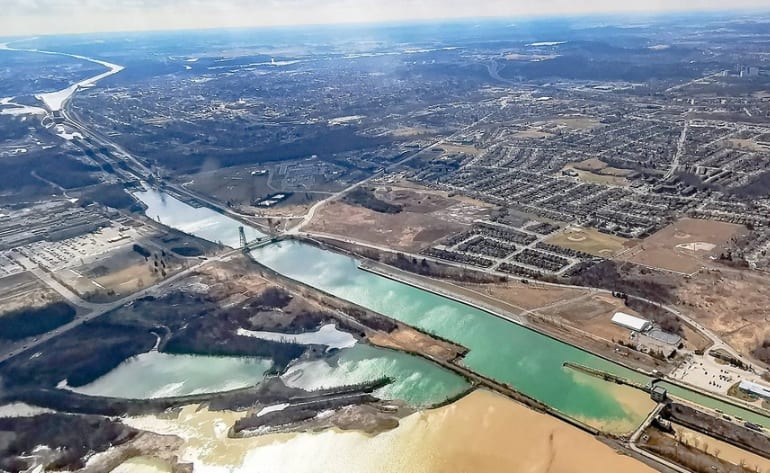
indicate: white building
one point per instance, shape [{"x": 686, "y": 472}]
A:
[
  {"x": 631, "y": 322},
  {"x": 755, "y": 389}
]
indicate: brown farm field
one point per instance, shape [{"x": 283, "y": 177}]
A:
[
  {"x": 590, "y": 241},
  {"x": 684, "y": 246},
  {"x": 749, "y": 145},
  {"x": 593, "y": 313},
  {"x": 600, "y": 178},
  {"x": 452, "y": 148},
  {"x": 427, "y": 216},
  {"x": 412, "y": 131},
  {"x": 532, "y": 133},
  {"x": 521, "y": 296},
  {"x": 598, "y": 166}
]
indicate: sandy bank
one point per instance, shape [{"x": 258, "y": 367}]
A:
[{"x": 482, "y": 432}]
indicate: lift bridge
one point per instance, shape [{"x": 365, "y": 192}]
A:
[{"x": 247, "y": 246}]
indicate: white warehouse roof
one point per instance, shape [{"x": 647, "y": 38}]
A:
[
  {"x": 755, "y": 388},
  {"x": 631, "y": 322}
]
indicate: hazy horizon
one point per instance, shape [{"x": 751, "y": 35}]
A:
[{"x": 44, "y": 17}]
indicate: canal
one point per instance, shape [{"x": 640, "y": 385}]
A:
[{"x": 507, "y": 352}]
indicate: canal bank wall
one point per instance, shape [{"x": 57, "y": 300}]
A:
[
  {"x": 737, "y": 403},
  {"x": 272, "y": 390}
]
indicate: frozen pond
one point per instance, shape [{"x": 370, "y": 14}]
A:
[
  {"x": 327, "y": 335},
  {"x": 155, "y": 375}
]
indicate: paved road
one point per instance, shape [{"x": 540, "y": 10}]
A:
[
  {"x": 68, "y": 295},
  {"x": 96, "y": 309},
  {"x": 308, "y": 217},
  {"x": 679, "y": 149}
]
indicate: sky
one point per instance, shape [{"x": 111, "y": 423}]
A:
[{"x": 26, "y": 17}]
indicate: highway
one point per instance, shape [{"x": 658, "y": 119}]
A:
[{"x": 680, "y": 147}]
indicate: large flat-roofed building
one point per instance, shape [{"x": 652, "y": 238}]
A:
[
  {"x": 755, "y": 389},
  {"x": 631, "y": 322}
]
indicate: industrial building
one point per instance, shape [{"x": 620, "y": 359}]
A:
[
  {"x": 631, "y": 322},
  {"x": 755, "y": 389}
]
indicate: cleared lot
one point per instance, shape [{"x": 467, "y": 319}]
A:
[
  {"x": 426, "y": 216},
  {"x": 24, "y": 291},
  {"x": 686, "y": 245}
]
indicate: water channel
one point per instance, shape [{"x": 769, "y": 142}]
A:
[
  {"x": 417, "y": 381},
  {"x": 202, "y": 222},
  {"x": 499, "y": 349}
]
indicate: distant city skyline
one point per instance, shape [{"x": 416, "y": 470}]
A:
[{"x": 35, "y": 17}]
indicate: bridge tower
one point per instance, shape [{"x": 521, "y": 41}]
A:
[{"x": 242, "y": 234}]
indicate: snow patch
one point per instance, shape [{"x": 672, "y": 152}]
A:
[
  {"x": 273, "y": 408},
  {"x": 347, "y": 119},
  {"x": 69, "y": 136},
  {"x": 327, "y": 335},
  {"x": 20, "y": 409}
]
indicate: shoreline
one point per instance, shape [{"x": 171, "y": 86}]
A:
[{"x": 476, "y": 433}]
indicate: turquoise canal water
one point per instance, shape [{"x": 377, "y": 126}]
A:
[
  {"x": 418, "y": 382},
  {"x": 710, "y": 402},
  {"x": 499, "y": 349}
]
